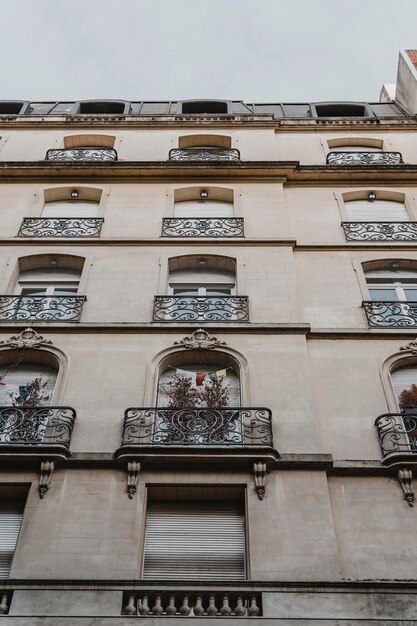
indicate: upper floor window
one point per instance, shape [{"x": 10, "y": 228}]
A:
[
  {"x": 86, "y": 147},
  {"x": 25, "y": 383},
  {"x": 70, "y": 208},
  {"x": 341, "y": 109},
  {"x": 393, "y": 295},
  {"x": 375, "y": 209},
  {"x": 204, "y": 107},
  {"x": 46, "y": 290},
  {"x": 204, "y": 148},
  {"x": 102, "y": 107},
  {"x": 201, "y": 288},
  {"x": 14, "y": 107},
  {"x": 360, "y": 151}
]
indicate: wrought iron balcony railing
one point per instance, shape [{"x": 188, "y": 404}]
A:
[
  {"x": 202, "y": 227},
  {"x": 46, "y": 426},
  {"x": 397, "y": 434},
  {"x": 380, "y": 231},
  {"x": 41, "y": 308},
  {"x": 214, "y": 427},
  {"x": 82, "y": 154},
  {"x": 391, "y": 314},
  {"x": 204, "y": 154},
  {"x": 224, "y": 603},
  {"x": 201, "y": 309},
  {"x": 61, "y": 227},
  {"x": 364, "y": 158}
]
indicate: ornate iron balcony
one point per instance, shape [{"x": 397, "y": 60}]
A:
[
  {"x": 241, "y": 427},
  {"x": 380, "y": 231},
  {"x": 41, "y": 308},
  {"x": 397, "y": 434},
  {"x": 202, "y": 227},
  {"x": 364, "y": 158},
  {"x": 60, "y": 227},
  {"x": 204, "y": 154},
  {"x": 391, "y": 314},
  {"x": 82, "y": 154},
  {"x": 201, "y": 309},
  {"x": 46, "y": 426},
  {"x": 224, "y": 603}
]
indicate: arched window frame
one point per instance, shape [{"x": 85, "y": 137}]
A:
[
  {"x": 361, "y": 267},
  {"x": 342, "y": 198},
  {"x": 222, "y": 194},
  {"x": 204, "y": 140},
  {"x": 50, "y": 354},
  {"x": 162, "y": 359},
  {"x": 205, "y": 253}
]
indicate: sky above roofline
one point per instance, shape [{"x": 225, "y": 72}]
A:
[{"x": 270, "y": 51}]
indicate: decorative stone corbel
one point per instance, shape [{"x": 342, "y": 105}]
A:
[
  {"x": 410, "y": 347},
  {"x": 27, "y": 339},
  {"x": 405, "y": 478},
  {"x": 259, "y": 472},
  {"x": 47, "y": 469},
  {"x": 133, "y": 469}
]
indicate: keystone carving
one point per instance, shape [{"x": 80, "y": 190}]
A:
[
  {"x": 405, "y": 478},
  {"x": 133, "y": 469},
  {"x": 47, "y": 469},
  {"x": 28, "y": 338},
  {"x": 410, "y": 347},
  {"x": 259, "y": 472},
  {"x": 200, "y": 340}
]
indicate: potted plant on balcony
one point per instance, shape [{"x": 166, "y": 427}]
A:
[{"x": 407, "y": 401}]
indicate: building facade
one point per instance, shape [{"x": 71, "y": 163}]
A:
[{"x": 208, "y": 321}]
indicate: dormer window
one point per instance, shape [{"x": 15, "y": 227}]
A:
[
  {"x": 103, "y": 107},
  {"x": 340, "y": 109},
  {"x": 14, "y": 107},
  {"x": 204, "y": 106}
]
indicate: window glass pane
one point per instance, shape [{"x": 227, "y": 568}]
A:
[
  {"x": 383, "y": 294},
  {"x": 411, "y": 295},
  {"x": 185, "y": 292},
  {"x": 218, "y": 292}
]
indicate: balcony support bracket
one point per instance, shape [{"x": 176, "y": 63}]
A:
[
  {"x": 47, "y": 469},
  {"x": 405, "y": 478},
  {"x": 259, "y": 471},
  {"x": 133, "y": 469}
]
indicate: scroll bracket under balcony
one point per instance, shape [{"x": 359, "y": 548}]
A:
[
  {"x": 133, "y": 469},
  {"x": 259, "y": 472},
  {"x": 47, "y": 469},
  {"x": 405, "y": 478}
]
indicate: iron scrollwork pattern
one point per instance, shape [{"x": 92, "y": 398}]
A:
[
  {"x": 60, "y": 227},
  {"x": 204, "y": 154},
  {"x": 397, "y": 433},
  {"x": 391, "y": 314},
  {"x": 201, "y": 309},
  {"x": 197, "y": 427},
  {"x": 202, "y": 227},
  {"x": 41, "y": 308},
  {"x": 380, "y": 231},
  {"x": 82, "y": 154},
  {"x": 364, "y": 158},
  {"x": 36, "y": 426}
]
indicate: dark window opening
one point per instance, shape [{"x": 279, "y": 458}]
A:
[
  {"x": 13, "y": 108},
  {"x": 102, "y": 107},
  {"x": 340, "y": 110},
  {"x": 202, "y": 106}
]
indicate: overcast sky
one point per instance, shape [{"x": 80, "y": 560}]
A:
[{"x": 253, "y": 50}]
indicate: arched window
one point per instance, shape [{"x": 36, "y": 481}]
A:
[
  {"x": 200, "y": 379},
  {"x": 203, "y": 275},
  {"x": 392, "y": 293},
  {"x": 25, "y": 382},
  {"x": 46, "y": 289}
]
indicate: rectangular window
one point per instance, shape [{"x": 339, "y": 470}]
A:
[
  {"x": 194, "y": 538},
  {"x": 12, "y": 502}
]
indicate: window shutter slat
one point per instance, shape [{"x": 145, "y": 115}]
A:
[
  {"x": 11, "y": 515},
  {"x": 379, "y": 211},
  {"x": 194, "y": 541}
]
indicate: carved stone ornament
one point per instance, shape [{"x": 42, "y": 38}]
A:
[
  {"x": 47, "y": 469},
  {"x": 405, "y": 478},
  {"x": 28, "y": 338},
  {"x": 200, "y": 340},
  {"x": 410, "y": 347},
  {"x": 133, "y": 469},
  {"x": 259, "y": 472}
]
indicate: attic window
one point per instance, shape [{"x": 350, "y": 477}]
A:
[
  {"x": 12, "y": 108},
  {"x": 341, "y": 110},
  {"x": 102, "y": 107},
  {"x": 204, "y": 106}
]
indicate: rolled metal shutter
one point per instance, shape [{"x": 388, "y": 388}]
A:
[
  {"x": 379, "y": 211},
  {"x": 11, "y": 514},
  {"x": 195, "y": 541}
]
